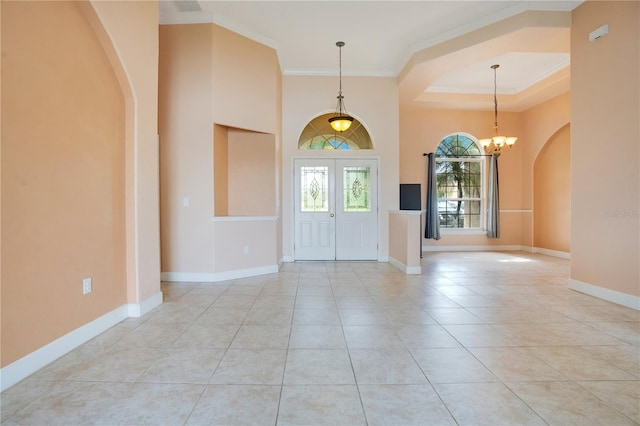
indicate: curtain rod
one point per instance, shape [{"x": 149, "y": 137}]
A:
[{"x": 466, "y": 156}]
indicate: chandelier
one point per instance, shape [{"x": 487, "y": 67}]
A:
[
  {"x": 341, "y": 120},
  {"x": 497, "y": 142}
]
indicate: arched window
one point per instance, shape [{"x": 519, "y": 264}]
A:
[
  {"x": 460, "y": 182},
  {"x": 319, "y": 134}
]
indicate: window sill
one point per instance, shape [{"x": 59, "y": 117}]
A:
[{"x": 452, "y": 231}]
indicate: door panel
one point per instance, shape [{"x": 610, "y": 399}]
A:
[
  {"x": 314, "y": 215},
  {"x": 336, "y": 209},
  {"x": 357, "y": 210}
]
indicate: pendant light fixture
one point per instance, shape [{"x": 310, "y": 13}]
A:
[
  {"x": 497, "y": 142},
  {"x": 341, "y": 120}
]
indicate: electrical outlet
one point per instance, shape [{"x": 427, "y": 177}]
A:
[
  {"x": 86, "y": 285},
  {"x": 245, "y": 250}
]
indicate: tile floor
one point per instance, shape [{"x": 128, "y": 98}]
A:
[{"x": 478, "y": 338}]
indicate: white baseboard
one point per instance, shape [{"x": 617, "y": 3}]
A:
[
  {"x": 409, "y": 270},
  {"x": 137, "y": 310},
  {"x": 474, "y": 248},
  {"x": 218, "y": 276},
  {"x": 29, "y": 364},
  {"x": 287, "y": 259},
  {"x": 614, "y": 296},
  {"x": 554, "y": 253}
]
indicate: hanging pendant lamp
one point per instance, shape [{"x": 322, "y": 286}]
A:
[
  {"x": 497, "y": 142},
  {"x": 341, "y": 120}
]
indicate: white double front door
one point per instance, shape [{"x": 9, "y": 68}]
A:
[{"x": 336, "y": 209}]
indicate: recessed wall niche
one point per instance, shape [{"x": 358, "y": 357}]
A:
[{"x": 244, "y": 172}]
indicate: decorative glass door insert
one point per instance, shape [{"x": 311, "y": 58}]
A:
[{"x": 314, "y": 187}]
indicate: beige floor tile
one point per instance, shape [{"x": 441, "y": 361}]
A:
[
  {"x": 114, "y": 364},
  {"x": 243, "y": 290},
  {"x": 567, "y": 403},
  {"x": 153, "y": 404},
  {"x": 439, "y": 302},
  {"x": 516, "y": 364},
  {"x": 236, "y": 405},
  {"x": 320, "y": 405},
  {"x": 355, "y": 322},
  {"x": 354, "y": 302},
  {"x": 234, "y": 301},
  {"x": 579, "y": 364},
  {"x": 261, "y": 337},
  {"x": 624, "y": 396},
  {"x": 318, "y": 367},
  {"x": 174, "y": 313},
  {"x": 222, "y": 316},
  {"x": 269, "y": 316},
  {"x": 624, "y": 357},
  {"x": 628, "y": 331},
  {"x": 403, "y": 405},
  {"x": 184, "y": 366},
  {"x": 316, "y": 317},
  {"x": 454, "y": 365},
  {"x": 24, "y": 393},
  {"x": 479, "y": 336},
  {"x": 529, "y": 334},
  {"x": 154, "y": 335},
  {"x": 207, "y": 336},
  {"x": 386, "y": 367},
  {"x": 315, "y": 302},
  {"x": 453, "y": 316},
  {"x": 580, "y": 334},
  {"x": 485, "y": 404},
  {"x": 274, "y": 302},
  {"x": 366, "y": 316},
  {"x": 317, "y": 337},
  {"x": 196, "y": 300},
  {"x": 426, "y": 336},
  {"x": 409, "y": 317},
  {"x": 251, "y": 367},
  {"x": 322, "y": 291},
  {"x": 372, "y": 337}
]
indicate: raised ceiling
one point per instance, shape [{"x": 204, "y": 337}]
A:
[{"x": 440, "y": 51}]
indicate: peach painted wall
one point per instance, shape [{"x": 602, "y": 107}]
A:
[
  {"x": 132, "y": 30},
  {"x": 539, "y": 124},
  {"x": 404, "y": 238},
  {"x": 63, "y": 182},
  {"x": 421, "y": 130},
  {"x": 374, "y": 102},
  {"x": 552, "y": 194},
  {"x": 209, "y": 77},
  {"x": 252, "y": 173},
  {"x": 186, "y": 147},
  {"x": 258, "y": 236},
  {"x": 605, "y": 147},
  {"x": 221, "y": 169}
]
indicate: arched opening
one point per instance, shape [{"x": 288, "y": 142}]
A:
[{"x": 552, "y": 194}]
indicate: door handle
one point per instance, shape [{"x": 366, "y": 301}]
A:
[{"x": 332, "y": 215}]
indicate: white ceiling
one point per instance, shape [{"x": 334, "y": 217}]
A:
[{"x": 382, "y": 37}]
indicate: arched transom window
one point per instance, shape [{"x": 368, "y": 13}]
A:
[
  {"x": 318, "y": 134},
  {"x": 460, "y": 177}
]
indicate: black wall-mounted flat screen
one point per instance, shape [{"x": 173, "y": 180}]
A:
[{"x": 410, "y": 196}]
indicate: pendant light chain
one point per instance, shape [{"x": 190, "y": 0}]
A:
[
  {"x": 341, "y": 120},
  {"x": 497, "y": 142},
  {"x": 495, "y": 97}
]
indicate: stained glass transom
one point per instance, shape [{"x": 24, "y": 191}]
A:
[
  {"x": 318, "y": 134},
  {"x": 314, "y": 184},
  {"x": 356, "y": 184}
]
